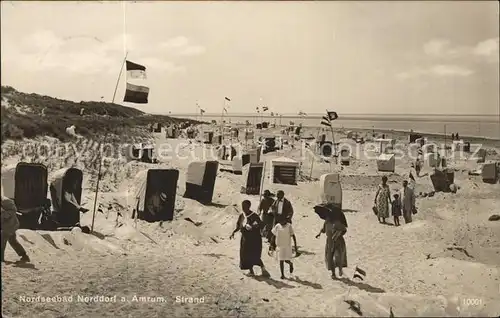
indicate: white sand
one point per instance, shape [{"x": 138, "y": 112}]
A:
[{"x": 409, "y": 268}]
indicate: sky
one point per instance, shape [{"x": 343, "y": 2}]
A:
[{"x": 405, "y": 57}]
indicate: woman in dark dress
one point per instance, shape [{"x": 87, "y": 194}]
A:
[
  {"x": 335, "y": 227},
  {"x": 250, "y": 226}
]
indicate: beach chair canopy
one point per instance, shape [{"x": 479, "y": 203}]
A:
[
  {"x": 200, "y": 180},
  {"x": 26, "y": 184},
  {"x": 330, "y": 189},
  {"x": 386, "y": 162},
  {"x": 155, "y": 198},
  {"x": 284, "y": 170},
  {"x": 61, "y": 183},
  {"x": 252, "y": 178}
]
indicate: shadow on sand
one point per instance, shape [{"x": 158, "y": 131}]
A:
[
  {"x": 98, "y": 235},
  {"x": 363, "y": 286},
  {"x": 49, "y": 239},
  {"x": 354, "y": 306},
  {"x": 217, "y": 256},
  {"x": 302, "y": 252},
  {"x": 349, "y": 210},
  {"x": 21, "y": 265},
  {"x": 305, "y": 283},
  {"x": 270, "y": 281},
  {"x": 218, "y": 205}
]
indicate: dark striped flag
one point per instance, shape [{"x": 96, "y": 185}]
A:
[
  {"x": 136, "y": 94},
  {"x": 332, "y": 115},
  {"x": 359, "y": 273},
  {"x": 325, "y": 121},
  {"x": 227, "y": 98},
  {"x": 135, "y": 70}
]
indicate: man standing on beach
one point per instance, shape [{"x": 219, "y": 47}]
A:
[
  {"x": 10, "y": 224},
  {"x": 267, "y": 216},
  {"x": 407, "y": 202}
]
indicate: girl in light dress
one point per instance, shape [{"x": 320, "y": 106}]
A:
[{"x": 284, "y": 234}]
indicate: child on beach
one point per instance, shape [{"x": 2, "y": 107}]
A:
[
  {"x": 283, "y": 232},
  {"x": 396, "y": 209}
]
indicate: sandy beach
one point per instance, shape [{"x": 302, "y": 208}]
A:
[{"x": 445, "y": 263}]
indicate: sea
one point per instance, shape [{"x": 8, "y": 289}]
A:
[{"x": 484, "y": 126}]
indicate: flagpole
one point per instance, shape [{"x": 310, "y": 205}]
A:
[
  {"x": 100, "y": 154},
  {"x": 262, "y": 181},
  {"x": 221, "y": 123},
  {"x": 333, "y": 140}
]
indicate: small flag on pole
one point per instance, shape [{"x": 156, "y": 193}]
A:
[
  {"x": 227, "y": 98},
  {"x": 225, "y": 109},
  {"x": 135, "y": 70},
  {"x": 332, "y": 115},
  {"x": 202, "y": 111},
  {"x": 265, "y": 108},
  {"x": 359, "y": 273},
  {"x": 326, "y": 123}
]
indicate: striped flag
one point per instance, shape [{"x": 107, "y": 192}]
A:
[
  {"x": 137, "y": 94},
  {"x": 325, "y": 121},
  {"x": 265, "y": 108},
  {"x": 227, "y": 98},
  {"x": 359, "y": 273},
  {"x": 135, "y": 70}
]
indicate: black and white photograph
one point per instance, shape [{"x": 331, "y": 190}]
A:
[{"x": 250, "y": 159}]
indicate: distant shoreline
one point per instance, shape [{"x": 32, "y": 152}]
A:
[
  {"x": 493, "y": 118},
  {"x": 400, "y": 133}
]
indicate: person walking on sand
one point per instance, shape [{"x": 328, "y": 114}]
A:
[
  {"x": 383, "y": 200},
  {"x": 267, "y": 216},
  {"x": 250, "y": 226},
  {"x": 335, "y": 227},
  {"x": 283, "y": 232},
  {"x": 10, "y": 224},
  {"x": 281, "y": 209},
  {"x": 396, "y": 209},
  {"x": 407, "y": 202}
]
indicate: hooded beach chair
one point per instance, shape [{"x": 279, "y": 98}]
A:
[
  {"x": 26, "y": 184},
  {"x": 155, "y": 199},
  {"x": 252, "y": 178},
  {"x": 64, "y": 215},
  {"x": 200, "y": 181}
]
